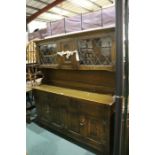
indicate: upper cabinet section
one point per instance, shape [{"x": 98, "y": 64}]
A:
[{"x": 93, "y": 50}]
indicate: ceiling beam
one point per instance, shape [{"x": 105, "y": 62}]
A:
[{"x": 45, "y": 9}]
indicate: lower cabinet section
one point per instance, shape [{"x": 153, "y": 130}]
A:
[{"x": 84, "y": 121}]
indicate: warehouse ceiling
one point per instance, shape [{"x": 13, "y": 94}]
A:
[{"x": 52, "y": 10}]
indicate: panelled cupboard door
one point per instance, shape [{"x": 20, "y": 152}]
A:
[
  {"x": 46, "y": 111},
  {"x": 88, "y": 120},
  {"x": 84, "y": 121},
  {"x": 95, "y": 130},
  {"x": 58, "y": 116},
  {"x": 58, "y": 105},
  {"x": 37, "y": 102},
  {"x": 42, "y": 104},
  {"x": 45, "y": 107},
  {"x": 73, "y": 123}
]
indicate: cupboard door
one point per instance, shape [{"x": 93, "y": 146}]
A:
[
  {"x": 45, "y": 110},
  {"x": 37, "y": 98},
  {"x": 73, "y": 123},
  {"x": 58, "y": 113},
  {"x": 96, "y": 134},
  {"x": 95, "y": 130},
  {"x": 58, "y": 116},
  {"x": 42, "y": 105}
]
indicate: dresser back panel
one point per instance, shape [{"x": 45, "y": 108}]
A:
[{"x": 98, "y": 81}]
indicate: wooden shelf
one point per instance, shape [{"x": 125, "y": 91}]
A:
[
  {"x": 81, "y": 67},
  {"x": 96, "y": 67},
  {"x": 84, "y": 95}
]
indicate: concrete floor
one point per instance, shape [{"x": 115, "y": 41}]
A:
[{"x": 42, "y": 142}]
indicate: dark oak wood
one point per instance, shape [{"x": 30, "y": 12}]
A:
[
  {"x": 95, "y": 49},
  {"x": 87, "y": 120},
  {"x": 74, "y": 99},
  {"x": 88, "y": 80}
]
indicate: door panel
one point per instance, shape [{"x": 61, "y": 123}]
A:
[
  {"x": 73, "y": 123},
  {"x": 96, "y": 131},
  {"x": 58, "y": 105},
  {"x": 42, "y": 104}
]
